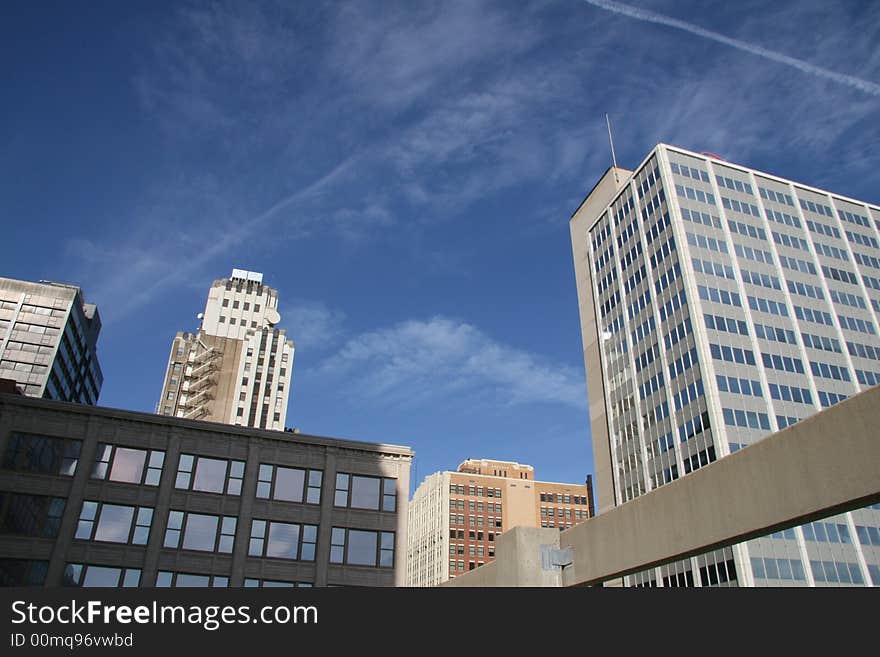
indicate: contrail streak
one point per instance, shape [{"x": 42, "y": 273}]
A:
[{"x": 651, "y": 17}]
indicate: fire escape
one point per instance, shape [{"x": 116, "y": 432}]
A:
[{"x": 199, "y": 381}]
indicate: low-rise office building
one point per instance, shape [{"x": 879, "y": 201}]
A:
[
  {"x": 455, "y": 517},
  {"x": 94, "y": 496}
]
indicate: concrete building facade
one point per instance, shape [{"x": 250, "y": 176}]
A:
[
  {"x": 455, "y": 518},
  {"x": 48, "y": 341},
  {"x": 237, "y": 367},
  {"x": 720, "y": 304},
  {"x": 92, "y": 496}
]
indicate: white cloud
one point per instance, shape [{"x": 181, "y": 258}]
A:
[
  {"x": 427, "y": 362},
  {"x": 311, "y": 324}
]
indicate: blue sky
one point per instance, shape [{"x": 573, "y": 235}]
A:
[{"x": 403, "y": 173}]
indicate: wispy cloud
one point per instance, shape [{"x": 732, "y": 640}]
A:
[
  {"x": 345, "y": 122},
  {"x": 312, "y": 325},
  {"x": 805, "y": 67},
  {"x": 428, "y": 362}
]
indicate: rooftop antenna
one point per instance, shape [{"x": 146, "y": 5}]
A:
[{"x": 611, "y": 140}]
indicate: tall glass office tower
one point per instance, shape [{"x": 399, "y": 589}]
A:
[{"x": 718, "y": 305}]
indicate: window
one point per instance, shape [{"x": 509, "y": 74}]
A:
[
  {"x": 165, "y": 578},
  {"x": 23, "y": 572},
  {"x": 34, "y": 453},
  {"x": 200, "y": 532},
  {"x": 360, "y": 492},
  {"x": 77, "y": 574},
  {"x": 362, "y": 548},
  {"x": 285, "y": 540},
  {"x": 134, "y": 466},
  {"x": 211, "y": 475},
  {"x": 30, "y": 515},
  {"x": 272, "y": 583},
  {"x": 289, "y": 484},
  {"x": 114, "y": 523}
]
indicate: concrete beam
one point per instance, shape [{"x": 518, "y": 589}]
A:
[{"x": 826, "y": 464}]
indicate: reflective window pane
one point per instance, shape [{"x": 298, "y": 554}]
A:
[
  {"x": 114, "y": 524},
  {"x": 128, "y": 465},
  {"x": 200, "y": 533},
  {"x": 72, "y": 573},
  {"x": 164, "y": 578},
  {"x": 185, "y": 580},
  {"x": 289, "y": 484},
  {"x": 89, "y": 510},
  {"x": 131, "y": 578},
  {"x": 100, "y": 576},
  {"x": 210, "y": 475},
  {"x": 365, "y": 492},
  {"x": 175, "y": 519},
  {"x": 283, "y": 540},
  {"x": 361, "y": 547}
]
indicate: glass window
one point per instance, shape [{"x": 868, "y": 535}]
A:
[
  {"x": 285, "y": 540},
  {"x": 30, "y": 515},
  {"x": 389, "y": 495},
  {"x": 365, "y": 492},
  {"x": 114, "y": 523},
  {"x": 209, "y": 475},
  {"x": 35, "y": 453},
  {"x": 128, "y": 465},
  {"x": 76, "y": 574},
  {"x": 23, "y": 572},
  {"x": 362, "y": 548},
  {"x": 342, "y": 483},
  {"x": 165, "y": 578},
  {"x": 200, "y": 532},
  {"x": 362, "y": 492},
  {"x": 289, "y": 484},
  {"x": 101, "y": 576}
]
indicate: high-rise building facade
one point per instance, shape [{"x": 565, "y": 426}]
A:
[
  {"x": 236, "y": 368},
  {"x": 94, "y": 496},
  {"x": 48, "y": 341},
  {"x": 455, "y": 517},
  {"x": 720, "y": 304}
]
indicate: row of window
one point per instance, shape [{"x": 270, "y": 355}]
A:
[
  {"x": 475, "y": 521},
  {"x": 746, "y": 419},
  {"x": 577, "y": 514},
  {"x": 44, "y": 454},
  {"x": 114, "y": 523},
  {"x": 473, "y": 505},
  {"x": 473, "y": 550},
  {"x": 461, "y": 489},
  {"x": 564, "y": 498},
  {"x": 472, "y": 535}
]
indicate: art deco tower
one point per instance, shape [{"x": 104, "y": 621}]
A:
[{"x": 236, "y": 368}]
